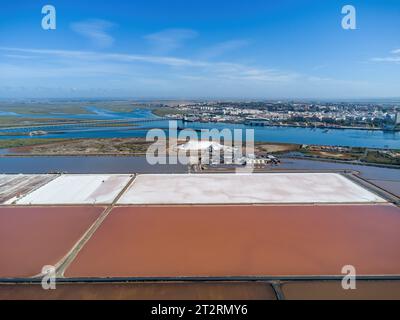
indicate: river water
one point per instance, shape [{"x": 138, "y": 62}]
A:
[
  {"x": 129, "y": 164},
  {"x": 332, "y": 137},
  {"x": 78, "y": 164}
]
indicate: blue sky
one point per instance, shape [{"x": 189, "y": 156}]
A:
[{"x": 200, "y": 49}]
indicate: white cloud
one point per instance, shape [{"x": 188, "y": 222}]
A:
[
  {"x": 170, "y": 39},
  {"x": 223, "y": 70},
  {"x": 234, "y": 71},
  {"x": 331, "y": 81},
  {"x": 17, "y": 56},
  {"x": 95, "y": 30},
  {"x": 387, "y": 59},
  {"x": 394, "y": 58},
  {"x": 124, "y": 72},
  {"x": 224, "y": 47},
  {"x": 121, "y": 57}
]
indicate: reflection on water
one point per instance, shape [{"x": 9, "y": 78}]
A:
[
  {"x": 354, "y": 138},
  {"x": 367, "y": 172},
  {"x": 112, "y": 164},
  {"x": 94, "y": 114},
  {"x": 334, "y": 137},
  {"x": 84, "y": 165}
]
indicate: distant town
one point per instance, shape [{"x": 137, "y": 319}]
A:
[{"x": 319, "y": 115}]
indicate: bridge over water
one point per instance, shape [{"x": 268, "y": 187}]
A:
[{"x": 57, "y": 126}]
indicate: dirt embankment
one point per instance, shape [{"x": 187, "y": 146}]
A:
[
  {"x": 86, "y": 147},
  {"x": 116, "y": 146},
  {"x": 276, "y": 147}
]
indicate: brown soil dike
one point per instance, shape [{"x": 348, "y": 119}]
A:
[
  {"x": 117, "y": 146},
  {"x": 87, "y": 147}
]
